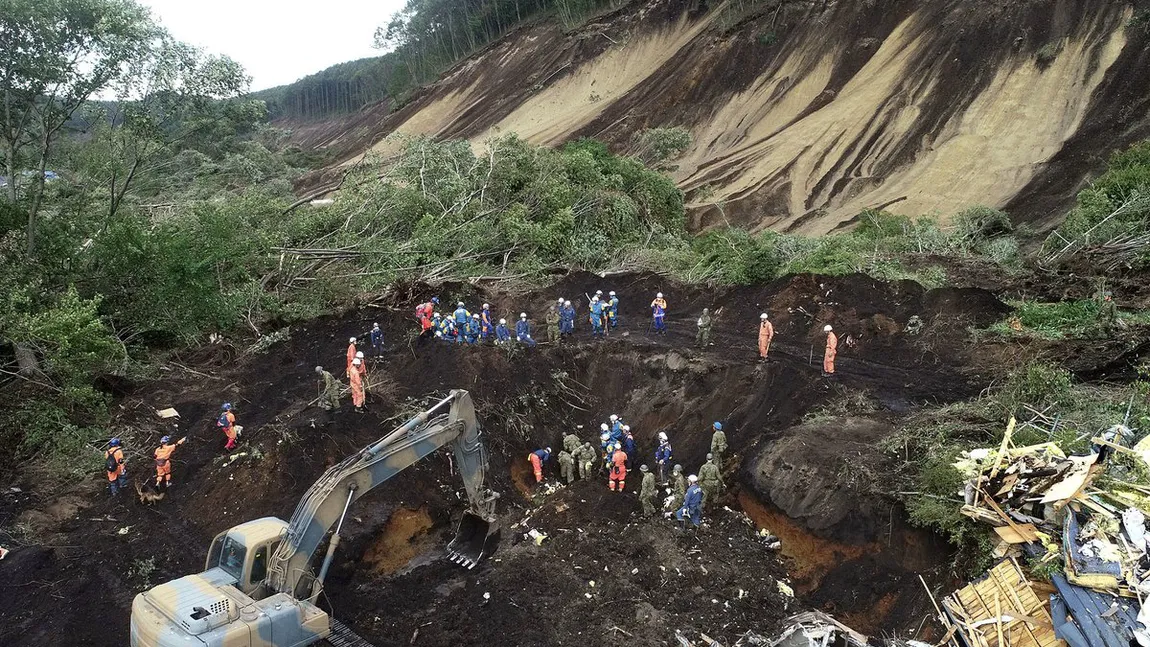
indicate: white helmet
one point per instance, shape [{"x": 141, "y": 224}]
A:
[
  {"x": 560, "y": 300},
  {"x": 475, "y": 316},
  {"x": 351, "y": 341},
  {"x": 663, "y": 436},
  {"x": 566, "y": 303},
  {"x": 486, "y": 306},
  {"x": 692, "y": 478},
  {"x": 594, "y": 298},
  {"x": 763, "y": 316},
  {"x": 614, "y": 417},
  {"x": 503, "y": 321},
  {"x": 827, "y": 328},
  {"x": 603, "y": 426},
  {"x": 375, "y": 325},
  {"x": 611, "y": 293},
  {"x": 598, "y": 293},
  {"x": 626, "y": 428},
  {"x": 659, "y": 295},
  {"x": 604, "y": 436},
  {"x": 356, "y": 362},
  {"x": 359, "y": 355},
  {"x": 522, "y": 315}
]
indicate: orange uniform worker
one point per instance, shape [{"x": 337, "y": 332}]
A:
[
  {"x": 355, "y": 379},
  {"x": 227, "y": 423},
  {"x": 163, "y": 456},
  {"x": 830, "y": 352},
  {"x": 537, "y": 458},
  {"x": 766, "y": 334},
  {"x": 618, "y": 471},
  {"x": 114, "y": 458},
  {"x": 350, "y": 353}
]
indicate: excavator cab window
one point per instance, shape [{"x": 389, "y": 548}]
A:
[
  {"x": 260, "y": 563},
  {"x": 232, "y": 557}
]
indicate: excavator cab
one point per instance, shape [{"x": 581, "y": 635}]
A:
[{"x": 475, "y": 538}]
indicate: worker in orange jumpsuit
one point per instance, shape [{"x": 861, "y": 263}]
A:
[
  {"x": 618, "y": 471},
  {"x": 163, "y": 456},
  {"x": 537, "y": 458},
  {"x": 362, "y": 368},
  {"x": 117, "y": 478},
  {"x": 350, "y": 353},
  {"x": 830, "y": 352},
  {"x": 766, "y": 334},
  {"x": 227, "y": 423},
  {"x": 355, "y": 378}
]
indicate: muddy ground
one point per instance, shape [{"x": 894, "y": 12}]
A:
[{"x": 79, "y": 557}]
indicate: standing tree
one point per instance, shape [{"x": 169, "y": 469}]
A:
[{"x": 54, "y": 56}]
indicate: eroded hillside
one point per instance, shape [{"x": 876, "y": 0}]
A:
[{"x": 804, "y": 113}]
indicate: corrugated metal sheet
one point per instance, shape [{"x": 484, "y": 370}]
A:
[{"x": 1094, "y": 618}]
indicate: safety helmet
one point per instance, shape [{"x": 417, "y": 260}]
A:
[
  {"x": 598, "y": 293},
  {"x": 560, "y": 300},
  {"x": 475, "y": 316},
  {"x": 603, "y": 426},
  {"x": 356, "y": 362},
  {"x": 614, "y": 417},
  {"x": 319, "y": 369},
  {"x": 438, "y": 333},
  {"x": 595, "y": 299},
  {"x": 643, "y": 468},
  {"x": 486, "y": 306},
  {"x": 359, "y": 354},
  {"x": 659, "y": 295},
  {"x": 375, "y": 325},
  {"x": 710, "y": 456},
  {"x": 611, "y": 293},
  {"x": 677, "y": 468},
  {"x": 548, "y": 450},
  {"x": 522, "y": 315},
  {"x": 763, "y": 316},
  {"x": 663, "y": 435},
  {"x": 460, "y": 304},
  {"x": 227, "y": 406},
  {"x": 115, "y": 442},
  {"x": 435, "y": 315},
  {"x": 626, "y": 428},
  {"x": 351, "y": 340},
  {"x": 827, "y": 328},
  {"x": 566, "y": 303},
  {"x": 692, "y": 478},
  {"x": 503, "y": 321},
  {"x": 718, "y": 425},
  {"x": 604, "y": 436},
  {"x": 435, "y": 300},
  {"x": 165, "y": 440}
]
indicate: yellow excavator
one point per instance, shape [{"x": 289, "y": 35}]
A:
[{"x": 258, "y": 588}]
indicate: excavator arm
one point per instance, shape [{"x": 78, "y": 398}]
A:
[{"x": 326, "y": 503}]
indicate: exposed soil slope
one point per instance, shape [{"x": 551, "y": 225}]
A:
[
  {"x": 82, "y": 557},
  {"x": 804, "y": 113}
]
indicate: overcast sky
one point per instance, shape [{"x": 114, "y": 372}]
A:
[{"x": 278, "y": 42}]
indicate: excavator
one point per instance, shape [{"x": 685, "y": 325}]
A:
[{"x": 258, "y": 588}]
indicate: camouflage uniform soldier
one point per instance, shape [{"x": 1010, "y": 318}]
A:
[
  {"x": 678, "y": 487},
  {"x": 572, "y": 445},
  {"x": 647, "y": 491},
  {"x": 552, "y": 319},
  {"x": 329, "y": 392},
  {"x": 703, "y": 337},
  {"x": 567, "y": 466},
  {"x": 587, "y": 458},
  {"x": 710, "y": 481},
  {"x": 718, "y": 446}
]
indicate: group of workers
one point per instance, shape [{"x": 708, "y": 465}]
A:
[
  {"x": 116, "y": 464},
  {"x": 464, "y": 327},
  {"x": 688, "y": 496},
  {"x": 330, "y": 387}
]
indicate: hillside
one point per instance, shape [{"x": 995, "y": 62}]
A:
[{"x": 804, "y": 113}]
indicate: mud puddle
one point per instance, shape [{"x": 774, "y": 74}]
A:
[{"x": 405, "y": 536}]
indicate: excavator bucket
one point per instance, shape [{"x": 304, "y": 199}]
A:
[{"x": 475, "y": 539}]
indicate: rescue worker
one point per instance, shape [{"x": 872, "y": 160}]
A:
[
  {"x": 659, "y": 313},
  {"x": 663, "y": 457},
  {"x": 586, "y": 461},
  {"x": 1107, "y": 316},
  {"x": 604, "y": 438},
  {"x": 355, "y": 380},
  {"x": 718, "y": 444},
  {"x": 678, "y": 487},
  {"x": 446, "y": 328},
  {"x": 376, "y": 340},
  {"x": 567, "y": 466},
  {"x": 647, "y": 491},
  {"x": 537, "y": 459},
  {"x": 571, "y": 444},
  {"x": 328, "y": 389},
  {"x": 567, "y": 319},
  {"x": 423, "y": 314},
  {"x": 350, "y": 353},
  {"x": 628, "y": 445},
  {"x": 710, "y": 481},
  {"x": 616, "y": 427},
  {"x": 523, "y": 331},
  {"x": 163, "y": 456},
  {"x": 118, "y": 473},
  {"x": 613, "y": 309},
  {"x": 703, "y": 337},
  {"x": 227, "y": 424},
  {"x": 461, "y": 317},
  {"x": 766, "y": 334},
  {"x": 595, "y": 316},
  {"x": 832, "y": 349},
  {"x": 618, "y": 470},
  {"x": 471, "y": 334},
  {"x": 361, "y": 368},
  {"x": 552, "y": 319},
  {"x": 692, "y": 504},
  {"x": 486, "y": 323},
  {"x": 502, "y": 334}
]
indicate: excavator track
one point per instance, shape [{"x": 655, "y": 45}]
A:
[{"x": 343, "y": 636}]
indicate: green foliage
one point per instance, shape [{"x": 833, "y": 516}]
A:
[
  {"x": 734, "y": 256},
  {"x": 1047, "y": 53},
  {"x": 655, "y": 146},
  {"x": 1038, "y": 384}
]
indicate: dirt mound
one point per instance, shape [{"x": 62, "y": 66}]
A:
[{"x": 821, "y": 109}]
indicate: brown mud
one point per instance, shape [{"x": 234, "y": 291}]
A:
[{"x": 78, "y": 557}]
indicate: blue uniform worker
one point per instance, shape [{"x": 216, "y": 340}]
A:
[
  {"x": 616, "y": 427},
  {"x": 596, "y": 316},
  {"x": 663, "y": 456},
  {"x": 613, "y": 310},
  {"x": 628, "y": 445},
  {"x": 566, "y": 319},
  {"x": 502, "y": 334},
  {"x": 659, "y": 313},
  {"x": 446, "y": 329},
  {"x": 523, "y": 330},
  {"x": 486, "y": 323},
  {"x": 471, "y": 331},
  {"x": 376, "y": 340},
  {"x": 692, "y": 503}
]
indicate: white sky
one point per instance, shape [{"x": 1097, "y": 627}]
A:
[{"x": 278, "y": 42}]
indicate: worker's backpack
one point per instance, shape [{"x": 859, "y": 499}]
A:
[
  {"x": 111, "y": 464},
  {"x": 222, "y": 421}
]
